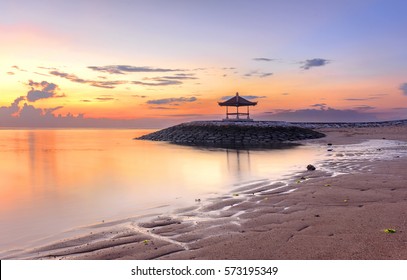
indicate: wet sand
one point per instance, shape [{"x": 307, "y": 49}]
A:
[{"x": 314, "y": 215}]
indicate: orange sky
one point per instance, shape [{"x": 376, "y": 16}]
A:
[{"x": 161, "y": 61}]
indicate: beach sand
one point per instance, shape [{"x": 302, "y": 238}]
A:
[{"x": 326, "y": 217}]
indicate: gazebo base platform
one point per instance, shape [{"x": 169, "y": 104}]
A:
[{"x": 237, "y": 120}]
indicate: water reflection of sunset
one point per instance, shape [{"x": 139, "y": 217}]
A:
[{"x": 53, "y": 180}]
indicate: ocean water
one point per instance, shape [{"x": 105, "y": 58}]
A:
[{"x": 53, "y": 181}]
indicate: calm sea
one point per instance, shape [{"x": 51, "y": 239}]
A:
[{"x": 56, "y": 180}]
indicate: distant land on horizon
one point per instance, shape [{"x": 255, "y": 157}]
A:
[{"x": 80, "y": 122}]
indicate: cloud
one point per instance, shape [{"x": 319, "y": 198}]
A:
[
  {"x": 47, "y": 68},
  {"x": 166, "y": 80},
  {"x": 123, "y": 69},
  {"x": 86, "y": 100},
  {"x": 364, "y": 108},
  {"x": 202, "y": 116},
  {"x": 16, "y": 115},
  {"x": 263, "y": 59},
  {"x": 71, "y": 77},
  {"x": 10, "y": 73},
  {"x": 158, "y": 82},
  {"x": 178, "y": 77},
  {"x": 361, "y": 99},
  {"x": 140, "y": 96},
  {"x": 258, "y": 74},
  {"x": 42, "y": 74},
  {"x": 162, "y": 108},
  {"x": 12, "y": 109},
  {"x": 315, "y": 62},
  {"x": 285, "y": 93},
  {"x": 403, "y": 88},
  {"x": 253, "y": 96},
  {"x": 42, "y": 90},
  {"x": 250, "y": 97},
  {"x": 18, "y": 68},
  {"x": 30, "y": 112},
  {"x": 172, "y": 100},
  {"x": 155, "y": 81},
  {"x": 105, "y": 98},
  {"x": 322, "y": 115},
  {"x": 51, "y": 110},
  {"x": 377, "y": 95},
  {"x": 319, "y": 105},
  {"x": 76, "y": 79}
]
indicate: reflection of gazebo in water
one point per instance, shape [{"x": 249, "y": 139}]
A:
[
  {"x": 237, "y": 101},
  {"x": 238, "y": 162}
]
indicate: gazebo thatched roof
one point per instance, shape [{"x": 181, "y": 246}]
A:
[{"x": 237, "y": 101}]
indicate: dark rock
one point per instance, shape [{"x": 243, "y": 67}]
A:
[
  {"x": 310, "y": 167},
  {"x": 230, "y": 134}
]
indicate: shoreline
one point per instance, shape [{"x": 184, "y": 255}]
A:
[{"x": 326, "y": 217}]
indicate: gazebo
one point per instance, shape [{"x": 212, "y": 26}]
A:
[{"x": 237, "y": 101}]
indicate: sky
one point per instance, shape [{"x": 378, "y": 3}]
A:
[{"x": 159, "y": 62}]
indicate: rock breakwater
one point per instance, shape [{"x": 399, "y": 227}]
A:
[{"x": 232, "y": 134}]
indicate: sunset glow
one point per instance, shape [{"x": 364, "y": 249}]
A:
[{"x": 154, "y": 63}]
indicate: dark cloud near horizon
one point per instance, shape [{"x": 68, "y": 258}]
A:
[
  {"x": 16, "y": 115},
  {"x": 162, "y": 108},
  {"x": 364, "y": 108},
  {"x": 403, "y": 88},
  {"x": 186, "y": 115},
  {"x": 51, "y": 110},
  {"x": 315, "y": 62},
  {"x": 13, "y": 108},
  {"x": 321, "y": 115},
  {"x": 76, "y": 79},
  {"x": 263, "y": 59},
  {"x": 172, "y": 100},
  {"x": 26, "y": 113},
  {"x": 361, "y": 99},
  {"x": 42, "y": 90},
  {"x": 123, "y": 69},
  {"x": 319, "y": 105}
]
